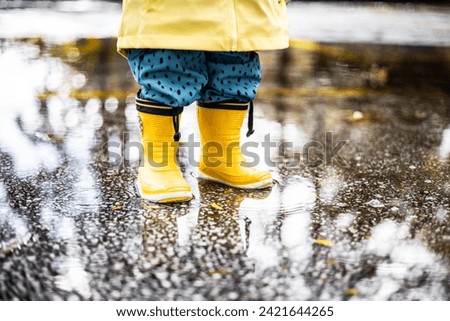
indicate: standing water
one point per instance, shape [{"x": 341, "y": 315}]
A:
[{"x": 360, "y": 209}]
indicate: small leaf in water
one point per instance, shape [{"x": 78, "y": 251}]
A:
[
  {"x": 215, "y": 206},
  {"x": 219, "y": 271},
  {"x": 117, "y": 207},
  {"x": 323, "y": 242},
  {"x": 351, "y": 291},
  {"x": 331, "y": 262}
]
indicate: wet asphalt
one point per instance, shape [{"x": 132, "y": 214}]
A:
[{"x": 359, "y": 210}]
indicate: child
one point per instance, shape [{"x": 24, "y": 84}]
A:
[{"x": 181, "y": 51}]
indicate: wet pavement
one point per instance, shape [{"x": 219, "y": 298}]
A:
[{"x": 360, "y": 209}]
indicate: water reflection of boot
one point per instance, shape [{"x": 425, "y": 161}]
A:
[
  {"x": 159, "y": 234},
  {"x": 219, "y": 227}
]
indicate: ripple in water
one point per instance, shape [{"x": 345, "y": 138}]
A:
[
  {"x": 77, "y": 201},
  {"x": 14, "y": 232},
  {"x": 297, "y": 196}
]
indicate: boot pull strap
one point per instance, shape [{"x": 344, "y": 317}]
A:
[
  {"x": 250, "y": 120},
  {"x": 176, "y": 124}
]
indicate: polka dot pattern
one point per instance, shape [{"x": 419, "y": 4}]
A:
[{"x": 178, "y": 78}]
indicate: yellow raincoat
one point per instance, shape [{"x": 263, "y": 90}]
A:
[{"x": 211, "y": 25}]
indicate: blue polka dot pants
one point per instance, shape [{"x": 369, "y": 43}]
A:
[{"x": 177, "y": 78}]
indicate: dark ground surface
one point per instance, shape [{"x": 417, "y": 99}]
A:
[{"x": 374, "y": 225}]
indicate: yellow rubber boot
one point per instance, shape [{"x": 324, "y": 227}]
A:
[
  {"x": 221, "y": 157},
  {"x": 160, "y": 179}
]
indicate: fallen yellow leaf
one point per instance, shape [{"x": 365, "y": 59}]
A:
[
  {"x": 331, "y": 262},
  {"x": 351, "y": 291},
  {"x": 324, "y": 242},
  {"x": 215, "y": 206},
  {"x": 220, "y": 271}
]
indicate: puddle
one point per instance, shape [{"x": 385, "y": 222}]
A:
[{"x": 371, "y": 216}]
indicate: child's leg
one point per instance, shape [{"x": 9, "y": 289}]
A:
[
  {"x": 232, "y": 76},
  {"x": 170, "y": 77},
  {"x": 169, "y": 81},
  {"x": 232, "y": 84}
]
